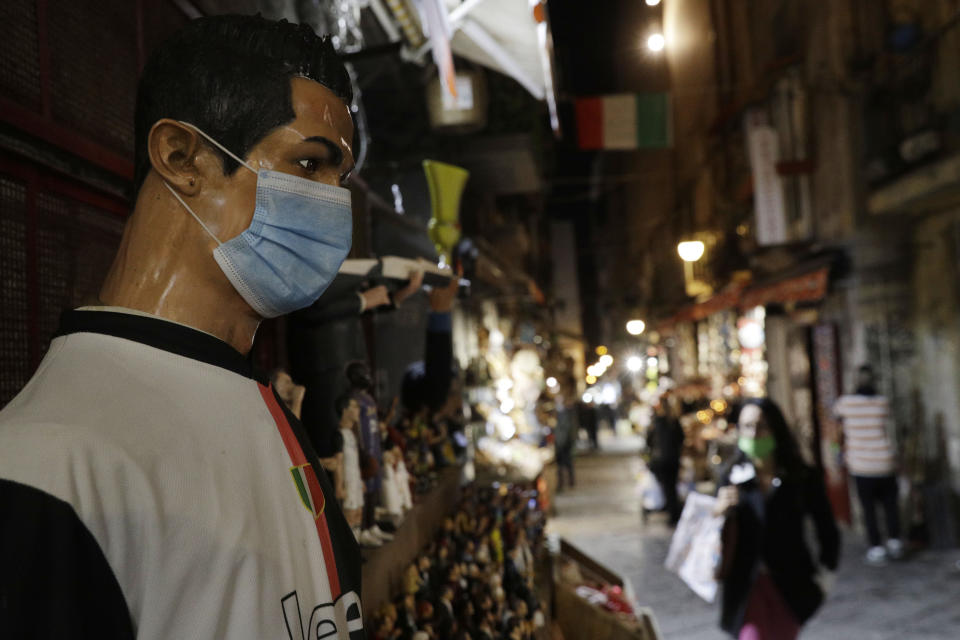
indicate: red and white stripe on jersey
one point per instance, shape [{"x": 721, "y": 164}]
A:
[{"x": 297, "y": 457}]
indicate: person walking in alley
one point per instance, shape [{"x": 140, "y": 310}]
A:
[
  {"x": 772, "y": 582},
  {"x": 666, "y": 445},
  {"x": 565, "y": 431},
  {"x": 870, "y": 459},
  {"x": 589, "y": 420}
]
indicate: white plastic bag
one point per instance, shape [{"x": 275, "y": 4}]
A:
[
  {"x": 651, "y": 494},
  {"x": 695, "y": 548}
]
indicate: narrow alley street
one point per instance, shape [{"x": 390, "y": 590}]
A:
[{"x": 915, "y": 599}]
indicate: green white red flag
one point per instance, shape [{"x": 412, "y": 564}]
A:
[{"x": 625, "y": 121}]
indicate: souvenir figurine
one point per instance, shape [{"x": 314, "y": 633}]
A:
[
  {"x": 349, "y": 411},
  {"x": 371, "y": 453}
]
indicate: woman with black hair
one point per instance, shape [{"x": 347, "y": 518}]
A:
[{"x": 772, "y": 581}]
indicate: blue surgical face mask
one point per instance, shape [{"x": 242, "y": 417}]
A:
[{"x": 299, "y": 236}]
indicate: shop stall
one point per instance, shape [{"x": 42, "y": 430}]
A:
[{"x": 592, "y": 601}]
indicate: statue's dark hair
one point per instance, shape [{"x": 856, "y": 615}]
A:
[{"x": 230, "y": 76}]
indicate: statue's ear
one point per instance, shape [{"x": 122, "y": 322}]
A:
[{"x": 173, "y": 149}]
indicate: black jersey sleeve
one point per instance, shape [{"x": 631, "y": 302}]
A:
[{"x": 55, "y": 581}]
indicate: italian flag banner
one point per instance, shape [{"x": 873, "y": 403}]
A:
[{"x": 625, "y": 121}]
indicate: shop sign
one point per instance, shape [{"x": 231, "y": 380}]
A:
[
  {"x": 763, "y": 147},
  {"x": 809, "y": 287}
]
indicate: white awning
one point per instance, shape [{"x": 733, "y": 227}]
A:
[{"x": 503, "y": 35}]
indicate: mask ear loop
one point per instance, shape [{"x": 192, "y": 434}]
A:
[
  {"x": 218, "y": 145},
  {"x": 177, "y": 195},
  {"x": 190, "y": 211}
]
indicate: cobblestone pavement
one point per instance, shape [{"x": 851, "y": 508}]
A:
[{"x": 917, "y": 599}]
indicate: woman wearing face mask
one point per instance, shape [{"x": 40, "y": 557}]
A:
[{"x": 773, "y": 581}]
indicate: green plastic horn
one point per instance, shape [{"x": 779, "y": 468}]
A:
[{"x": 446, "y": 184}]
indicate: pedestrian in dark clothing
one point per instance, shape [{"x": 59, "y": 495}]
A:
[
  {"x": 607, "y": 414},
  {"x": 588, "y": 420},
  {"x": 565, "y": 433},
  {"x": 666, "y": 445},
  {"x": 772, "y": 582},
  {"x": 564, "y": 448}
]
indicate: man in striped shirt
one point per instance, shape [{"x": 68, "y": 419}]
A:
[{"x": 870, "y": 459}]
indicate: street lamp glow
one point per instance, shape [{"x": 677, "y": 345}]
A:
[
  {"x": 652, "y": 3},
  {"x": 609, "y": 394},
  {"x": 634, "y": 364},
  {"x": 691, "y": 250},
  {"x": 591, "y": 379},
  {"x": 551, "y": 382},
  {"x": 656, "y": 42},
  {"x": 636, "y": 327},
  {"x": 606, "y": 360}
]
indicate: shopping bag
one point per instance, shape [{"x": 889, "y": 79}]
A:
[
  {"x": 651, "y": 494},
  {"x": 695, "y": 548}
]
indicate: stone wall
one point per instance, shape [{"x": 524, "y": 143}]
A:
[{"x": 937, "y": 326}]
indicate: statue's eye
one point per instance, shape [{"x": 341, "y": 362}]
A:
[{"x": 310, "y": 165}]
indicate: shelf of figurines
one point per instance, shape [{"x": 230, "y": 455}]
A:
[
  {"x": 484, "y": 571},
  {"x": 383, "y": 567}
]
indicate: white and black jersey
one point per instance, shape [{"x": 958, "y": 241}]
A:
[{"x": 152, "y": 487}]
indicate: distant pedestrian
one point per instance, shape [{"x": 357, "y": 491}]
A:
[
  {"x": 565, "y": 432},
  {"x": 869, "y": 457},
  {"x": 772, "y": 581},
  {"x": 608, "y": 415},
  {"x": 666, "y": 445},
  {"x": 589, "y": 422}
]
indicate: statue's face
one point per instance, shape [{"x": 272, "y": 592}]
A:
[
  {"x": 316, "y": 145},
  {"x": 353, "y": 411}
]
